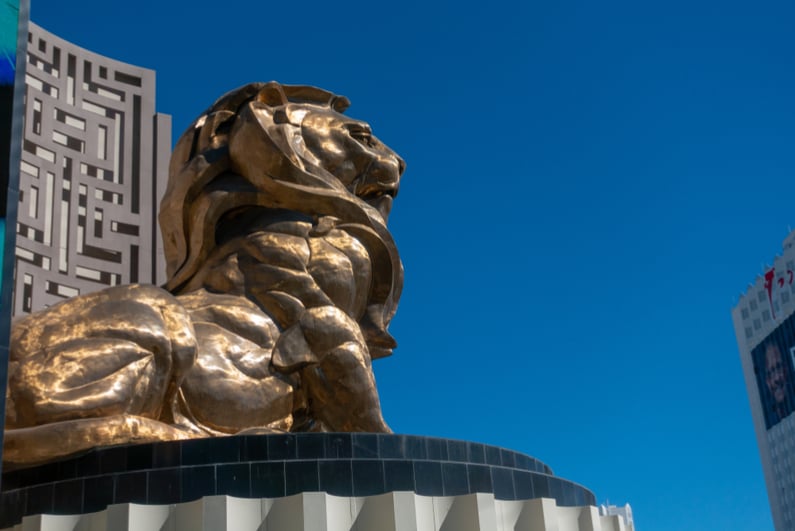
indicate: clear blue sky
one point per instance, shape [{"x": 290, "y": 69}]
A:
[{"x": 590, "y": 187}]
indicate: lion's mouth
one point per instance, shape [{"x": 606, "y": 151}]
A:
[{"x": 379, "y": 196}]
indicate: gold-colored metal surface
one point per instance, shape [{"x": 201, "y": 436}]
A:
[{"x": 282, "y": 281}]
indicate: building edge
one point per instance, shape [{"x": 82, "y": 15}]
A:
[{"x": 762, "y": 312}]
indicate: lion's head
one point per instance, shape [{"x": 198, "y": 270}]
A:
[{"x": 267, "y": 145}]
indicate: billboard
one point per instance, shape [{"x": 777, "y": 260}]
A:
[{"x": 774, "y": 367}]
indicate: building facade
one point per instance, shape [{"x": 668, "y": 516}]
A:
[
  {"x": 764, "y": 322},
  {"x": 624, "y": 512},
  {"x": 94, "y": 167}
]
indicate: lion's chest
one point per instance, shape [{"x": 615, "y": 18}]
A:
[
  {"x": 288, "y": 272},
  {"x": 340, "y": 265}
]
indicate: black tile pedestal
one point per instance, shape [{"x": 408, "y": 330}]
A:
[{"x": 272, "y": 466}]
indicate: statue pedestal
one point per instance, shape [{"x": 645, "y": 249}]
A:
[{"x": 279, "y": 466}]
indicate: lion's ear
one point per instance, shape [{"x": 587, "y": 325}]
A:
[
  {"x": 340, "y": 103},
  {"x": 272, "y": 94}
]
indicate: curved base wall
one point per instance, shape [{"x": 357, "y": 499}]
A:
[
  {"x": 278, "y": 467},
  {"x": 312, "y": 511}
]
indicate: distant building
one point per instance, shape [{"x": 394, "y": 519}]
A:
[
  {"x": 624, "y": 512},
  {"x": 764, "y": 322},
  {"x": 94, "y": 167}
]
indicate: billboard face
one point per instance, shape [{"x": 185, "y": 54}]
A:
[{"x": 774, "y": 366}]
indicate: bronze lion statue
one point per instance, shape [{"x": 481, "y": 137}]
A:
[{"x": 282, "y": 280}]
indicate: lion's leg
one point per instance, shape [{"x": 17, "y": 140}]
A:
[
  {"x": 328, "y": 350},
  {"x": 37, "y": 444},
  {"x": 342, "y": 392},
  {"x": 231, "y": 388}
]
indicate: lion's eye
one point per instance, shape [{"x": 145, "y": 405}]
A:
[{"x": 363, "y": 137}]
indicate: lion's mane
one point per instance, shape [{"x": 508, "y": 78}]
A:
[{"x": 222, "y": 164}]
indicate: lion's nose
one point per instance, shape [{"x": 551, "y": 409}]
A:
[{"x": 387, "y": 170}]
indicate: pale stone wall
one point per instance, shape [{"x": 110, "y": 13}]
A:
[{"x": 316, "y": 511}]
